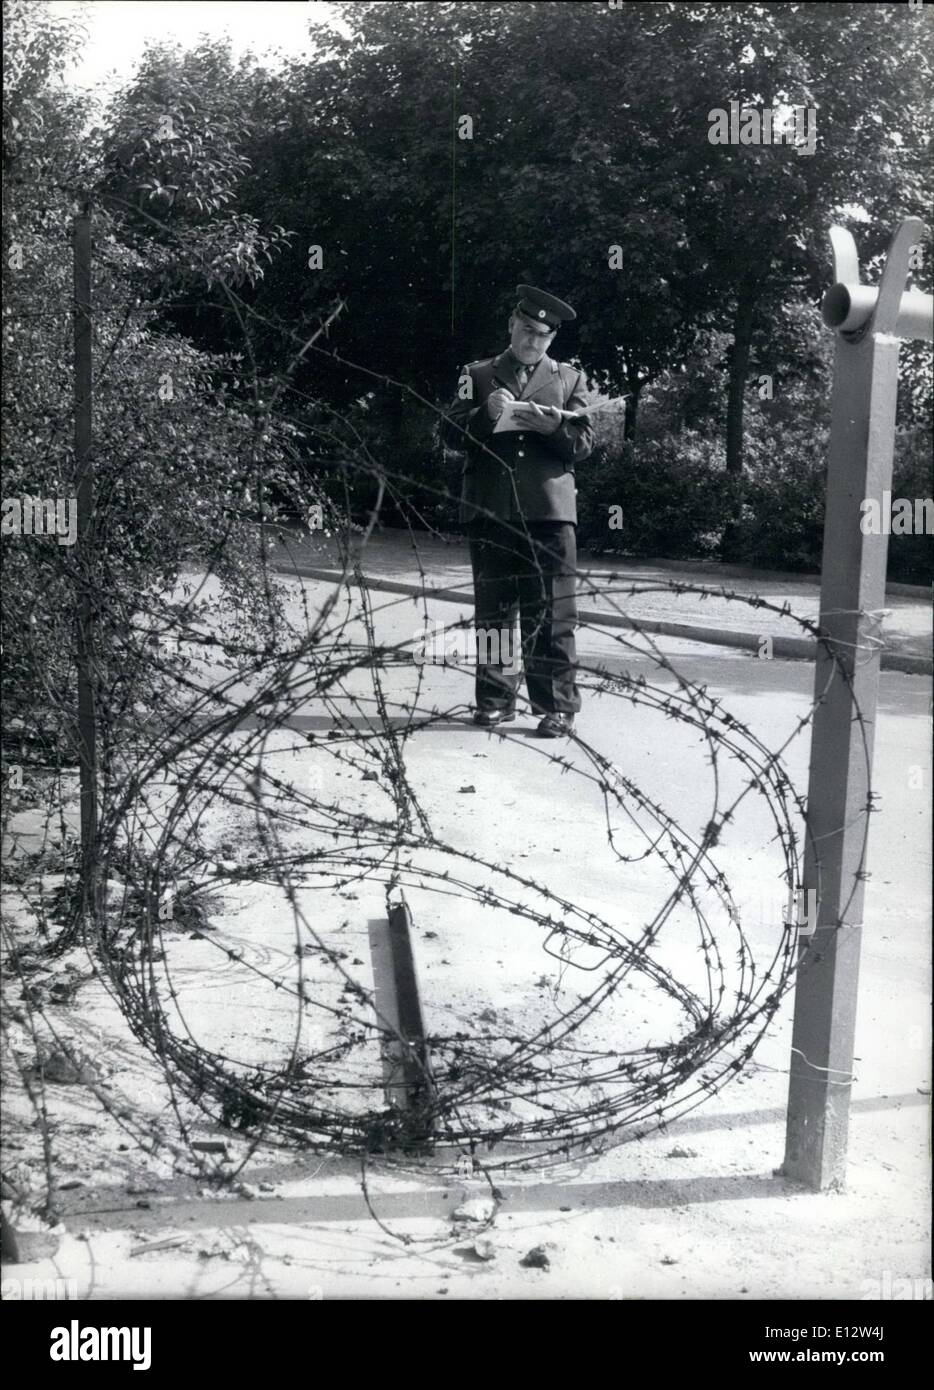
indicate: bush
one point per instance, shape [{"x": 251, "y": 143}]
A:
[
  {"x": 176, "y": 453},
  {"x": 911, "y": 558},
  {"x": 676, "y": 496},
  {"x": 782, "y": 515},
  {"x": 673, "y": 490}
]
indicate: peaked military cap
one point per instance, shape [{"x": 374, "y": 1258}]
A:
[{"x": 543, "y": 307}]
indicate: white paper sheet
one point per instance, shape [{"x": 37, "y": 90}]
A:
[{"x": 506, "y": 420}]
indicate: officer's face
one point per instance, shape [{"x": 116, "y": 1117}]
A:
[{"x": 529, "y": 340}]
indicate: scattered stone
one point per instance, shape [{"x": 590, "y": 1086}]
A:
[
  {"x": 488, "y": 1016},
  {"x": 27, "y": 1235},
  {"x": 167, "y": 1243},
  {"x": 466, "y": 789},
  {"x": 667, "y": 1260},
  {"x": 64, "y": 1070},
  {"x": 484, "y": 1249},
  {"x": 678, "y": 1152},
  {"x": 267, "y": 1187},
  {"x": 537, "y": 1258},
  {"x": 475, "y": 1209},
  {"x": 211, "y": 1146},
  {"x": 24, "y": 958},
  {"x": 214, "y": 1251}
]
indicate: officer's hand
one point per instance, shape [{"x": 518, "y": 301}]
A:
[
  {"x": 496, "y": 402},
  {"x": 542, "y": 419}
]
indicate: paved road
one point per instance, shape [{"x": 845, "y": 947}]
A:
[{"x": 646, "y": 592}]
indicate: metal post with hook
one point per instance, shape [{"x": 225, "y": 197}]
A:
[{"x": 869, "y": 325}]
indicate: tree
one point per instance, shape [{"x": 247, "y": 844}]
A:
[
  {"x": 173, "y": 454},
  {"x": 601, "y": 142},
  {"x": 760, "y": 213}
]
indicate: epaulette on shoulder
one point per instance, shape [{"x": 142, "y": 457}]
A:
[{"x": 480, "y": 362}]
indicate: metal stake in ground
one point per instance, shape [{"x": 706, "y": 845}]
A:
[
  {"x": 865, "y": 385},
  {"x": 406, "y": 1070}
]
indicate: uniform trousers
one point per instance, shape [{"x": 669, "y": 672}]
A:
[{"x": 530, "y": 577}]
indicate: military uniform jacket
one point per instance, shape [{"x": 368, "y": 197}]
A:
[{"x": 530, "y": 474}]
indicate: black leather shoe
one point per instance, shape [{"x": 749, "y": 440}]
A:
[
  {"x": 556, "y": 725},
  {"x": 488, "y": 717}
]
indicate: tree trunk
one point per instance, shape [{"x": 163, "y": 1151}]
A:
[
  {"x": 632, "y": 409},
  {"x": 395, "y": 410},
  {"x": 736, "y": 398}
]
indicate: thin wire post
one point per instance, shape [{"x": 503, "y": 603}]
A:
[{"x": 84, "y": 471}]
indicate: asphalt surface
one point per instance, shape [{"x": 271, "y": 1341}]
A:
[{"x": 725, "y": 606}]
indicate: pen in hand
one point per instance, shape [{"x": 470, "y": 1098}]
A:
[{"x": 497, "y": 400}]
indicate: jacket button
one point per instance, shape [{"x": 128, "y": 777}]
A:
[
  {"x": 521, "y": 436},
  {"x": 521, "y": 454}
]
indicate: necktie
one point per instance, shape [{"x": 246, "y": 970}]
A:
[{"x": 522, "y": 375}]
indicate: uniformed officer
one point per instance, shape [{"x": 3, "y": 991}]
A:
[{"x": 519, "y": 502}]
